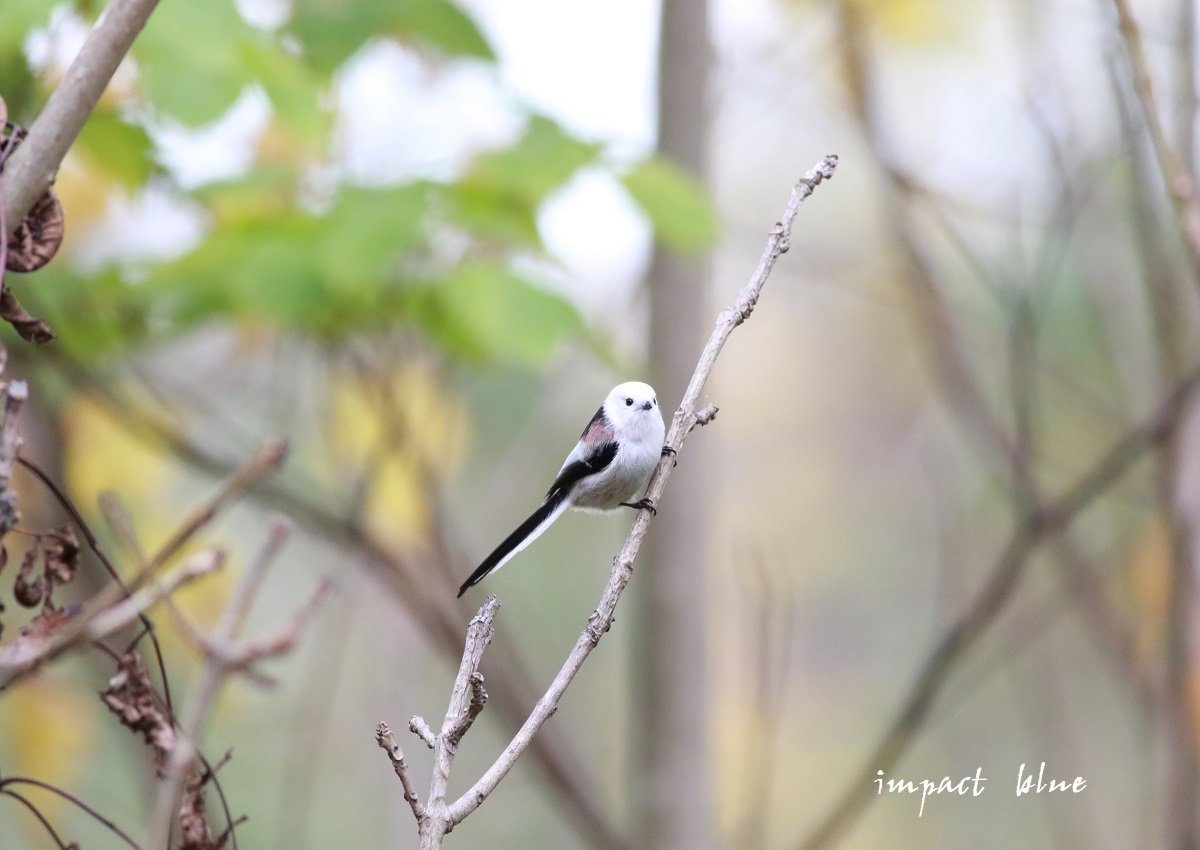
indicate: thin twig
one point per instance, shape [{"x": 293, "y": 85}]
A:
[
  {"x": 387, "y": 740},
  {"x": 420, "y": 728},
  {"x": 118, "y": 588},
  {"x": 99, "y": 619},
  {"x": 460, "y": 714},
  {"x": 70, "y": 798},
  {"x": 684, "y": 419},
  {"x": 1180, "y": 185},
  {"x": 223, "y": 657},
  {"x": 267, "y": 460}
]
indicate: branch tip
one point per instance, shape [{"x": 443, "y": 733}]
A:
[
  {"x": 420, "y": 728},
  {"x": 387, "y": 741},
  {"x": 706, "y": 414}
]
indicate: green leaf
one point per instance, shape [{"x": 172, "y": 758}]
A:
[
  {"x": 676, "y": 204},
  {"x": 190, "y": 58},
  {"x": 330, "y": 275},
  {"x": 120, "y": 149},
  {"x": 485, "y": 312},
  {"x": 259, "y": 269},
  {"x": 94, "y": 314},
  {"x": 17, "y": 18},
  {"x": 443, "y": 25},
  {"x": 22, "y": 94},
  {"x": 489, "y": 215},
  {"x": 294, "y": 90},
  {"x": 542, "y": 160},
  {"x": 261, "y": 192},
  {"x": 366, "y": 232},
  {"x": 331, "y": 31},
  {"x": 499, "y": 197}
]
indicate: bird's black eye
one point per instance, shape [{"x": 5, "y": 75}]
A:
[
  {"x": 656, "y": 401},
  {"x": 629, "y": 402}
]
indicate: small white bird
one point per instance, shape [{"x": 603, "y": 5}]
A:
[{"x": 608, "y": 468}]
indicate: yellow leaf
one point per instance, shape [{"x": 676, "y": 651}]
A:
[
  {"x": 395, "y": 433},
  {"x": 99, "y": 455},
  {"x": 904, "y": 21},
  {"x": 1150, "y": 572},
  {"x": 47, "y": 725}
]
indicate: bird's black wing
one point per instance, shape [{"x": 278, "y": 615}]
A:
[{"x": 590, "y": 465}]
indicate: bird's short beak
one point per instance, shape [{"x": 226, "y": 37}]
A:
[{"x": 646, "y": 405}]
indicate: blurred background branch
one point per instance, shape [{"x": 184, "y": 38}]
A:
[
  {"x": 1042, "y": 523},
  {"x": 671, "y": 787}
]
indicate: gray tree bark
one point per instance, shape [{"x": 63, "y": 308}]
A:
[{"x": 671, "y": 762}]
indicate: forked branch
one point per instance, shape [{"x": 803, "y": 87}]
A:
[{"x": 440, "y": 818}]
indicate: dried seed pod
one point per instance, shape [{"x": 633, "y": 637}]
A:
[
  {"x": 29, "y": 593},
  {"x": 60, "y": 553},
  {"x": 31, "y": 328},
  {"x": 37, "y": 237}
]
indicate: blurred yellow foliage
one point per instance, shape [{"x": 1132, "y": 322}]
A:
[
  {"x": 99, "y": 455},
  {"x": 278, "y": 145},
  {"x": 47, "y": 724},
  {"x": 732, "y": 701},
  {"x": 902, "y": 21},
  {"x": 1150, "y": 572},
  {"x": 83, "y": 190},
  {"x": 393, "y": 436}
]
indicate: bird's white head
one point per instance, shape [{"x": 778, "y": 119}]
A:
[{"x": 632, "y": 408}]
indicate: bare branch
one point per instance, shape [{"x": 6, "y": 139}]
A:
[
  {"x": 1180, "y": 185},
  {"x": 706, "y": 414},
  {"x": 462, "y": 711},
  {"x": 387, "y": 740},
  {"x": 31, "y": 169},
  {"x": 223, "y": 656},
  {"x": 420, "y": 728},
  {"x": 468, "y": 696},
  {"x": 466, "y": 701},
  {"x": 14, "y": 395},
  {"x": 99, "y": 619},
  {"x": 684, "y": 420}
]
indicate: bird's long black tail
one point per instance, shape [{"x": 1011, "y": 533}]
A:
[{"x": 526, "y": 533}]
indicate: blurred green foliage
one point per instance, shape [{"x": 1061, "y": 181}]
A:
[
  {"x": 675, "y": 203},
  {"x": 124, "y": 149},
  {"x": 340, "y": 261}
]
